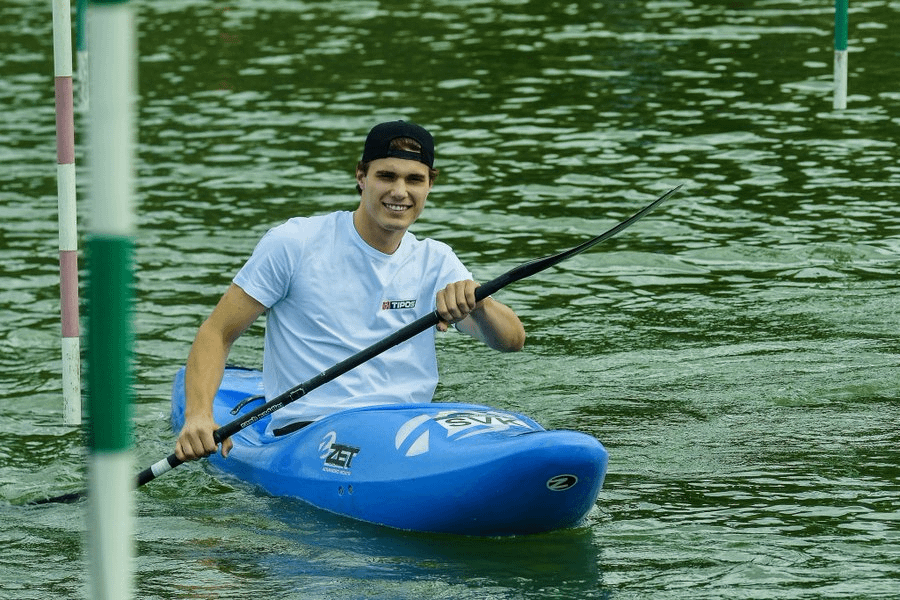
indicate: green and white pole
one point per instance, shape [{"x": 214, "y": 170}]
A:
[
  {"x": 82, "y": 96},
  {"x": 841, "y": 18},
  {"x": 68, "y": 230},
  {"x": 111, "y": 137}
]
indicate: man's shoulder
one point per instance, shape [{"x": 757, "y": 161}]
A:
[
  {"x": 301, "y": 228},
  {"x": 313, "y": 222},
  {"x": 429, "y": 251},
  {"x": 429, "y": 245}
]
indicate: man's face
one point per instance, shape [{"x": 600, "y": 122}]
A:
[{"x": 393, "y": 193}]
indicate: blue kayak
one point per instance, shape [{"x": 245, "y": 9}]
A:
[{"x": 446, "y": 468}]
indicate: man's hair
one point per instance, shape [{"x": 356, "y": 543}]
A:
[{"x": 403, "y": 143}]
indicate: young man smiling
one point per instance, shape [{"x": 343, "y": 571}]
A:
[{"x": 335, "y": 284}]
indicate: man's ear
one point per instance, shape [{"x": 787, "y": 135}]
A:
[{"x": 361, "y": 179}]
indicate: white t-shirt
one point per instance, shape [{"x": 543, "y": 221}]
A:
[{"x": 330, "y": 295}]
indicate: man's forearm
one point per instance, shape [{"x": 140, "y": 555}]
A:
[{"x": 496, "y": 325}]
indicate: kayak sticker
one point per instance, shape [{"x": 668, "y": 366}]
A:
[
  {"x": 337, "y": 457},
  {"x": 561, "y": 483},
  {"x": 458, "y": 424}
]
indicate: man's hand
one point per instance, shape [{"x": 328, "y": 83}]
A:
[
  {"x": 196, "y": 439},
  {"x": 455, "y": 302},
  {"x": 490, "y": 321}
]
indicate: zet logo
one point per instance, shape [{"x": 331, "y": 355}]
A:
[
  {"x": 561, "y": 483},
  {"x": 337, "y": 457},
  {"x": 413, "y": 437}
]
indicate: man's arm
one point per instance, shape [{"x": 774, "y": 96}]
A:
[
  {"x": 234, "y": 313},
  {"x": 490, "y": 321}
]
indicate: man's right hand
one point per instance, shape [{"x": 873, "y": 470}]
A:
[{"x": 196, "y": 439}]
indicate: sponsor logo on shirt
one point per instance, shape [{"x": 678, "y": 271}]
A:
[{"x": 397, "y": 304}]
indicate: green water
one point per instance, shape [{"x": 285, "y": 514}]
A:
[{"x": 736, "y": 351}]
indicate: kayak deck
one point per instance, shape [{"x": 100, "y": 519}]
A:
[{"x": 449, "y": 468}]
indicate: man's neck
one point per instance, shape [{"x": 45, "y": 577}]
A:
[{"x": 382, "y": 240}]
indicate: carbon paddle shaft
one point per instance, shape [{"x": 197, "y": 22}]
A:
[{"x": 398, "y": 337}]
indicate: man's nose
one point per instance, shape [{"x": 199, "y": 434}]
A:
[{"x": 398, "y": 190}]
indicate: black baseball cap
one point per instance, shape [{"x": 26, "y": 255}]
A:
[{"x": 378, "y": 142}]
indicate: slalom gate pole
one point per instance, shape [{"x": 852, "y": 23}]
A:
[
  {"x": 841, "y": 24},
  {"x": 82, "y": 94},
  {"x": 68, "y": 230},
  {"x": 111, "y": 38}
]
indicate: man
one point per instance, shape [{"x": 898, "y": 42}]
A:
[{"x": 335, "y": 284}]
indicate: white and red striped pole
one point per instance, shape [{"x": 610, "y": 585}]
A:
[
  {"x": 68, "y": 231},
  {"x": 111, "y": 150}
]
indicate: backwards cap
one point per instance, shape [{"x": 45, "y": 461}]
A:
[{"x": 378, "y": 142}]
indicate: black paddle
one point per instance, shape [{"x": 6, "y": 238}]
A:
[{"x": 416, "y": 327}]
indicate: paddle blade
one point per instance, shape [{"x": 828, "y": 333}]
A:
[
  {"x": 63, "y": 499},
  {"x": 539, "y": 264}
]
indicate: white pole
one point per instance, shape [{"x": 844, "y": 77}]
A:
[
  {"x": 68, "y": 229},
  {"x": 113, "y": 56}
]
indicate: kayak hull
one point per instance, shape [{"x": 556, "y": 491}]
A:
[{"x": 448, "y": 468}]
